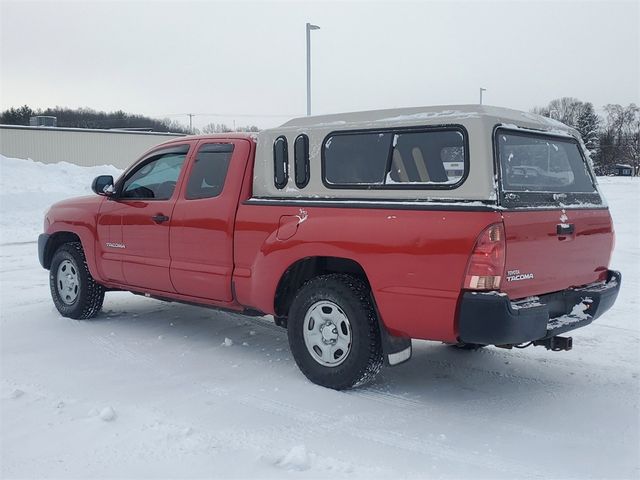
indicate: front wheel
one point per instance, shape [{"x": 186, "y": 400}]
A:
[
  {"x": 74, "y": 291},
  {"x": 333, "y": 332}
]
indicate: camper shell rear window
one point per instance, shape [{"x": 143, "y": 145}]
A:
[
  {"x": 399, "y": 158},
  {"x": 538, "y": 169}
]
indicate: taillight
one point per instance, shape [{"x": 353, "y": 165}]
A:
[
  {"x": 613, "y": 242},
  {"x": 486, "y": 264}
]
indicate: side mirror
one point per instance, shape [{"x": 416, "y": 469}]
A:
[{"x": 103, "y": 185}]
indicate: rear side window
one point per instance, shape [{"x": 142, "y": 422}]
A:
[
  {"x": 209, "y": 171},
  {"x": 301, "y": 160},
  {"x": 537, "y": 168},
  {"x": 434, "y": 158},
  {"x": 280, "y": 162}
]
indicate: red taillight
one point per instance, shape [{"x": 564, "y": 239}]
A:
[
  {"x": 486, "y": 264},
  {"x": 613, "y": 242}
]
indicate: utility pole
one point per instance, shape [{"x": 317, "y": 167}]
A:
[
  {"x": 191, "y": 115},
  {"x": 309, "y": 28},
  {"x": 482, "y": 90}
]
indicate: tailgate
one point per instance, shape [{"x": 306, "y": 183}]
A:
[
  {"x": 551, "y": 250},
  {"x": 558, "y": 230}
]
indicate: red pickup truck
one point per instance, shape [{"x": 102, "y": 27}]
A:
[{"x": 467, "y": 225}]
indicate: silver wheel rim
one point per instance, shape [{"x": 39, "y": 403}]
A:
[
  {"x": 68, "y": 282},
  {"x": 327, "y": 333}
]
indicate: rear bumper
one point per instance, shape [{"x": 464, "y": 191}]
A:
[{"x": 492, "y": 319}]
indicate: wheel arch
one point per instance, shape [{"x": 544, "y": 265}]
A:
[
  {"x": 396, "y": 349},
  {"x": 81, "y": 234},
  {"x": 304, "y": 269},
  {"x": 55, "y": 241}
]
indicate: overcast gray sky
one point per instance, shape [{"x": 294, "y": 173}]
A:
[{"x": 240, "y": 58}]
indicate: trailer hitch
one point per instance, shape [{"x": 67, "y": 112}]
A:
[{"x": 555, "y": 344}]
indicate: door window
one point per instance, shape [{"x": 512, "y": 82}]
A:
[
  {"x": 156, "y": 178},
  {"x": 209, "y": 171}
]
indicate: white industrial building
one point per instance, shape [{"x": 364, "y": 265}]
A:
[{"x": 82, "y": 146}]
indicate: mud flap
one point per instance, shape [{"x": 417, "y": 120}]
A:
[{"x": 396, "y": 350}]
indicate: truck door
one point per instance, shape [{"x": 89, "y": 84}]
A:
[
  {"x": 134, "y": 225},
  {"x": 203, "y": 222}
]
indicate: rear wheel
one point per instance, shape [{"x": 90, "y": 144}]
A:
[
  {"x": 333, "y": 332},
  {"x": 74, "y": 291}
]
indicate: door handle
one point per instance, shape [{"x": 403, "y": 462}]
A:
[
  {"x": 565, "y": 228},
  {"x": 160, "y": 218}
]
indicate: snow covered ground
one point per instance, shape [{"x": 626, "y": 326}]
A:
[{"x": 150, "y": 389}]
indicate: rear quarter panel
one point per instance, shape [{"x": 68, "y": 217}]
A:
[{"x": 414, "y": 259}]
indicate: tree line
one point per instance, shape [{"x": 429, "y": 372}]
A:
[
  {"x": 611, "y": 139},
  {"x": 89, "y": 118}
]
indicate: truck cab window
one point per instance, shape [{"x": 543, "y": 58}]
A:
[
  {"x": 155, "y": 179},
  {"x": 209, "y": 171}
]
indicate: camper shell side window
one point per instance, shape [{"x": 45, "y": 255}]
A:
[{"x": 396, "y": 158}]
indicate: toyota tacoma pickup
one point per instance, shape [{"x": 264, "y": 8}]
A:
[{"x": 468, "y": 225}]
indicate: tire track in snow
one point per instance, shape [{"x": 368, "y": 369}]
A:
[
  {"x": 387, "y": 398},
  {"x": 322, "y": 423},
  {"x": 417, "y": 411},
  {"x": 118, "y": 350},
  {"x": 492, "y": 372}
]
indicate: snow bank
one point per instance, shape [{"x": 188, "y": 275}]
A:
[{"x": 28, "y": 188}]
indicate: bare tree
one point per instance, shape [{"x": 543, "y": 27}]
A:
[
  {"x": 248, "y": 128},
  {"x": 223, "y": 128},
  {"x": 216, "y": 128},
  {"x": 565, "y": 110}
]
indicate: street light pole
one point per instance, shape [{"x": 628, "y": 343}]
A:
[
  {"x": 309, "y": 28},
  {"x": 482, "y": 90}
]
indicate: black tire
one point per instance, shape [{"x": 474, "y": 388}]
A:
[
  {"x": 467, "y": 346},
  {"x": 364, "y": 359},
  {"x": 89, "y": 294}
]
